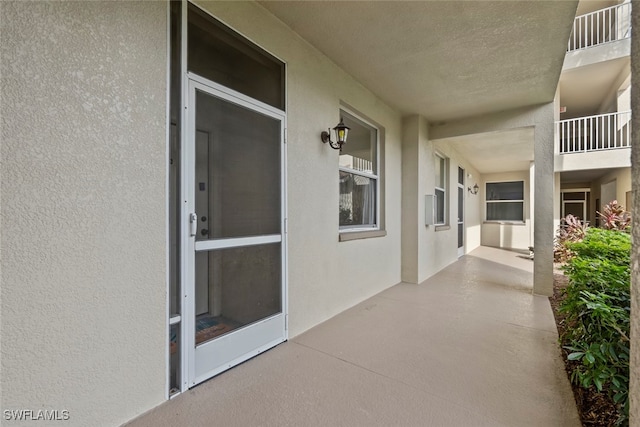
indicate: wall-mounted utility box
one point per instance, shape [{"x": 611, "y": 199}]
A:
[{"x": 429, "y": 209}]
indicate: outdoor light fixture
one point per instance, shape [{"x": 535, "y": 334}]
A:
[
  {"x": 473, "y": 190},
  {"x": 341, "y": 131}
]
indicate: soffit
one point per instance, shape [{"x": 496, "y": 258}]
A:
[
  {"x": 496, "y": 152},
  {"x": 583, "y": 176},
  {"x": 584, "y": 89},
  {"x": 441, "y": 59}
]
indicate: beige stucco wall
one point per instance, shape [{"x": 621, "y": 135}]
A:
[
  {"x": 83, "y": 214},
  {"x": 426, "y": 249},
  {"x": 325, "y": 276},
  {"x": 504, "y": 234},
  {"x": 622, "y": 179},
  {"x": 448, "y": 239},
  {"x": 619, "y": 158}
]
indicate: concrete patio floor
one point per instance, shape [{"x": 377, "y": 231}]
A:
[{"x": 471, "y": 346}]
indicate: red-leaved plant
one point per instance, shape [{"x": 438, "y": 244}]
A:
[
  {"x": 615, "y": 217},
  {"x": 571, "y": 230}
]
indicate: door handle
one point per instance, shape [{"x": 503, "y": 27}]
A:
[{"x": 193, "y": 224}]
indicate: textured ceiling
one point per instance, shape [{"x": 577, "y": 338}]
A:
[
  {"x": 441, "y": 59},
  {"x": 496, "y": 152},
  {"x": 600, "y": 79}
]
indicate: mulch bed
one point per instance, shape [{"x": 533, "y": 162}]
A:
[{"x": 595, "y": 409}]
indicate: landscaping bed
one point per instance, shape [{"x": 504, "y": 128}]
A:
[{"x": 595, "y": 408}]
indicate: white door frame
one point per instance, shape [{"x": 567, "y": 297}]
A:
[
  {"x": 461, "y": 220},
  {"x": 193, "y": 372}
]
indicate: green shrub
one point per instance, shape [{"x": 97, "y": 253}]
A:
[
  {"x": 604, "y": 244},
  {"x": 597, "y": 304}
]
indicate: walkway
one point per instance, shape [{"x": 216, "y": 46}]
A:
[{"x": 469, "y": 347}]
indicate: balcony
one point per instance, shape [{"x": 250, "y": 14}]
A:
[
  {"x": 595, "y": 133},
  {"x": 599, "y": 27}
]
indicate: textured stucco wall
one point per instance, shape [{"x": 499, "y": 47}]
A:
[
  {"x": 635, "y": 178},
  {"x": 622, "y": 178},
  {"x": 83, "y": 214},
  {"x": 428, "y": 249},
  {"x": 325, "y": 276},
  {"x": 593, "y": 160},
  {"x": 445, "y": 241},
  {"x": 412, "y": 224}
]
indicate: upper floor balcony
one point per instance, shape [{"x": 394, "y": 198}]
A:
[
  {"x": 600, "y": 27},
  {"x": 601, "y": 141}
]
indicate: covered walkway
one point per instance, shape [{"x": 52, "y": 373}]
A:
[{"x": 469, "y": 347}]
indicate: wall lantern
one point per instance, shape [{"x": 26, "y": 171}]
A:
[
  {"x": 341, "y": 131},
  {"x": 473, "y": 190}
]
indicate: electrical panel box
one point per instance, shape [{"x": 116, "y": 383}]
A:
[{"x": 429, "y": 209}]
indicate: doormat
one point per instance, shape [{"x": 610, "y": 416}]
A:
[{"x": 207, "y": 327}]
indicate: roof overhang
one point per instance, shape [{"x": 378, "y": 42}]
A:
[{"x": 441, "y": 59}]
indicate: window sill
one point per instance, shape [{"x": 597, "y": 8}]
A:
[
  {"x": 345, "y": 236},
  {"x": 519, "y": 223},
  {"x": 442, "y": 227}
]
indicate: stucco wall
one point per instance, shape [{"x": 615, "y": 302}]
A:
[
  {"x": 446, "y": 241},
  {"x": 83, "y": 214},
  {"x": 325, "y": 276},
  {"x": 426, "y": 249},
  {"x": 619, "y": 158},
  {"x": 619, "y": 180}
]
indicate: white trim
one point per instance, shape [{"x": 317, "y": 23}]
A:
[
  {"x": 374, "y": 176},
  {"x": 184, "y": 228},
  {"x": 487, "y": 201},
  {"x": 235, "y": 96},
  {"x": 461, "y": 186},
  {"x": 357, "y": 172},
  {"x": 209, "y": 245},
  {"x": 196, "y": 373},
  {"x": 191, "y": 82},
  {"x": 168, "y": 208},
  {"x": 444, "y": 190}
]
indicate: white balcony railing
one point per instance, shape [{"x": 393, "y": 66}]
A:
[
  {"x": 601, "y": 26},
  {"x": 602, "y": 132}
]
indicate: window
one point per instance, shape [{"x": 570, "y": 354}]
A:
[
  {"x": 358, "y": 176},
  {"x": 441, "y": 189},
  {"x": 505, "y": 201},
  {"x": 216, "y": 52}
]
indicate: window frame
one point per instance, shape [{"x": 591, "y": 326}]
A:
[
  {"x": 375, "y": 175},
  {"x": 439, "y": 157},
  {"x": 488, "y": 201}
]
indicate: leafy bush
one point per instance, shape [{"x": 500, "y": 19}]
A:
[
  {"x": 597, "y": 304},
  {"x": 615, "y": 217},
  {"x": 571, "y": 230}
]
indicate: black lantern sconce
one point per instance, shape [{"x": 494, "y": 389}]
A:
[
  {"x": 341, "y": 131},
  {"x": 473, "y": 190}
]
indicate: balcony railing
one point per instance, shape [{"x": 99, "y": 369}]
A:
[
  {"x": 602, "y": 132},
  {"x": 601, "y": 26}
]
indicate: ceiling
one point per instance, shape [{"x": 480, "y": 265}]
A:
[
  {"x": 583, "y": 176},
  {"x": 441, "y": 59},
  {"x": 600, "y": 78},
  {"x": 496, "y": 152}
]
